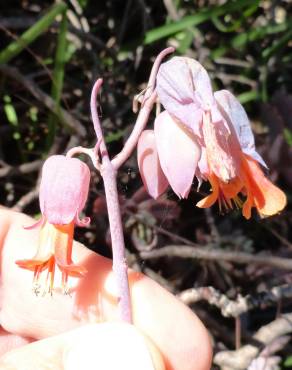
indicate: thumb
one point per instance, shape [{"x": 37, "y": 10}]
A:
[{"x": 105, "y": 346}]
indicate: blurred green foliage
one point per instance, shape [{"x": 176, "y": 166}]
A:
[{"x": 244, "y": 44}]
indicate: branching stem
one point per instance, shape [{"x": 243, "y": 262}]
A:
[
  {"x": 109, "y": 175},
  {"x": 108, "y": 169}
]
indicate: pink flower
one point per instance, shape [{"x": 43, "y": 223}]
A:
[
  {"x": 248, "y": 181},
  {"x": 64, "y": 190},
  {"x": 63, "y": 193},
  {"x": 219, "y": 124},
  {"x": 184, "y": 89},
  {"x": 167, "y": 155}
]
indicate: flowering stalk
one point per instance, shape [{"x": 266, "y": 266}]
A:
[
  {"x": 63, "y": 193},
  {"x": 109, "y": 175},
  {"x": 108, "y": 170}
]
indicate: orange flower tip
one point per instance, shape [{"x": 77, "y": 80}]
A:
[
  {"x": 74, "y": 270},
  {"x": 208, "y": 201},
  {"x": 202, "y": 203},
  {"x": 268, "y": 199},
  {"x": 276, "y": 203},
  {"x": 28, "y": 264},
  {"x": 54, "y": 250}
]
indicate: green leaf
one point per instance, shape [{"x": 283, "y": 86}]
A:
[
  {"x": 277, "y": 45},
  {"x": 248, "y": 96},
  {"x": 83, "y": 3},
  {"x": 184, "y": 40},
  {"x": 194, "y": 20},
  {"x": 258, "y": 33},
  {"x": 171, "y": 28},
  {"x": 69, "y": 52},
  {"x": 288, "y": 137},
  {"x": 114, "y": 136},
  {"x": 10, "y": 112},
  {"x": 33, "y": 114},
  {"x": 288, "y": 362},
  {"x": 235, "y": 24},
  {"x": 31, "y": 34},
  {"x": 30, "y": 145},
  {"x": 16, "y": 136},
  {"x": 58, "y": 78}
]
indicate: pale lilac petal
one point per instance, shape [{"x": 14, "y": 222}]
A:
[
  {"x": 149, "y": 166},
  {"x": 222, "y": 148},
  {"x": 82, "y": 222},
  {"x": 235, "y": 114},
  {"x": 64, "y": 188},
  {"x": 201, "y": 83},
  {"x": 184, "y": 89},
  {"x": 178, "y": 153},
  {"x": 203, "y": 167},
  {"x": 36, "y": 224}
]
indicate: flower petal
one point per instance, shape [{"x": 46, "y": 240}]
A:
[
  {"x": 31, "y": 264},
  {"x": 152, "y": 175},
  {"x": 45, "y": 251},
  {"x": 36, "y": 224},
  {"x": 63, "y": 251},
  {"x": 184, "y": 89},
  {"x": 82, "y": 222},
  {"x": 64, "y": 188},
  {"x": 235, "y": 114},
  {"x": 178, "y": 152},
  {"x": 267, "y": 198},
  {"x": 210, "y": 199},
  {"x": 222, "y": 153},
  {"x": 73, "y": 270}
]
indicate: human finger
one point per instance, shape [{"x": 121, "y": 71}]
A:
[
  {"x": 177, "y": 332},
  {"x": 97, "y": 346}
]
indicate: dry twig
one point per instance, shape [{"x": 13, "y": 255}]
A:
[
  {"x": 235, "y": 308},
  {"x": 183, "y": 251},
  {"x": 171, "y": 10},
  {"x": 241, "y": 359},
  {"x": 65, "y": 117},
  {"x": 25, "y": 168}
]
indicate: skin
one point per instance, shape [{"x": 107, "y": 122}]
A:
[{"x": 45, "y": 332}]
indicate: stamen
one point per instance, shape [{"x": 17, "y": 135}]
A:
[
  {"x": 225, "y": 204},
  {"x": 50, "y": 277},
  {"x": 36, "y": 286},
  {"x": 65, "y": 289},
  {"x": 238, "y": 202}
]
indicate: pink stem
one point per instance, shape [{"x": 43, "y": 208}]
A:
[
  {"x": 142, "y": 119},
  {"x": 109, "y": 175},
  {"x": 108, "y": 171}
]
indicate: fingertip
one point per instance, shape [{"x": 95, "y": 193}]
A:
[
  {"x": 183, "y": 340},
  {"x": 112, "y": 346},
  {"x": 105, "y": 346}
]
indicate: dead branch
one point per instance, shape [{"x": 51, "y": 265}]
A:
[
  {"x": 241, "y": 359},
  {"x": 26, "y": 199},
  {"x": 64, "y": 116},
  {"x": 230, "y": 308},
  {"x": 183, "y": 251},
  {"x": 171, "y": 10},
  {"x": 23, "y": 169},
  {"x": 32, "y": 195}
]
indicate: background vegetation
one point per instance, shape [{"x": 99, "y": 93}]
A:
[{"x": 50, "y": 55}]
